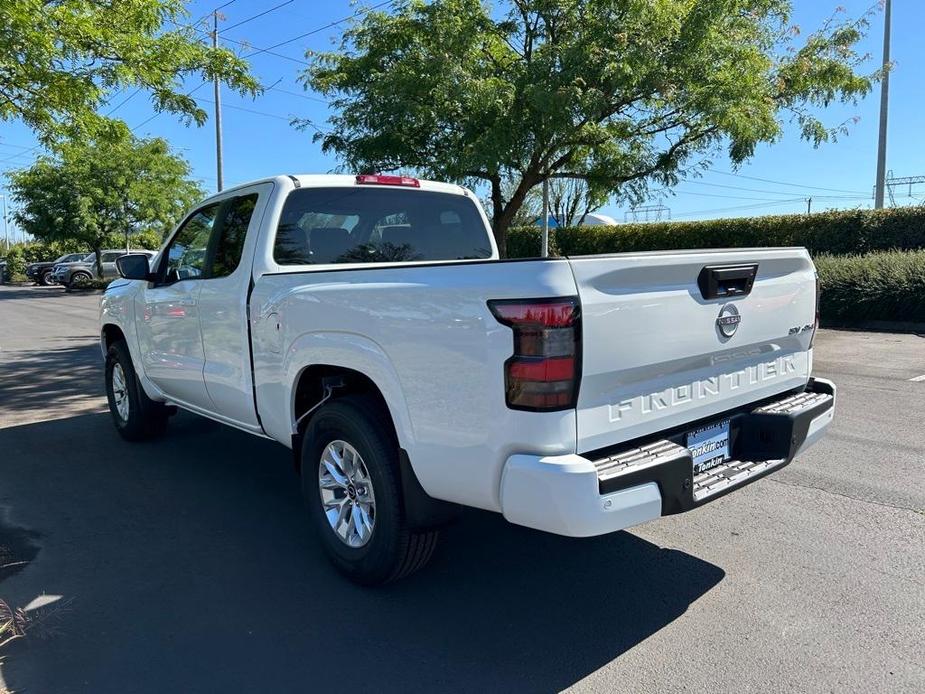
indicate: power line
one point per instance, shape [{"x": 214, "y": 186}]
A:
[
  {"x": 782, "y": 183},
  {"x": 320, "y": 29},
  {"x": 728, "y": 187},
  {"x": 265, "y": 114},
  {"x": 243, "y": 44},
  {"x": 247, "y": 110},
  {"x": 123, "y": 102},
  {"x": 211, "y": 12},
  {"x": 739, "y": 207},
  {"x": 14, "y": 156},
  {"x": 247, "y": 45},
  {"x": 148, "y": 120},
  {"x": 19, "y": 154},
  {"x": 301, "y": 96},
  {"x": 9, "y": 144},
  {"x": 269, "y": 50},
  {"x": 681, "y": 193},
  {"x": 256, "y": 16}
]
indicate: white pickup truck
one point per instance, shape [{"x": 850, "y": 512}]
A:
[{"x": 368, "y": 324}]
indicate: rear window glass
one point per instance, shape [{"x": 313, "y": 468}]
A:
[{"x": 378, "y": 225}]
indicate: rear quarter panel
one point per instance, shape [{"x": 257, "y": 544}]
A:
[{"x": 425, "y": 336}]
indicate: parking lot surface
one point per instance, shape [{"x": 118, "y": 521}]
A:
[{"x": 185, "y": 565}]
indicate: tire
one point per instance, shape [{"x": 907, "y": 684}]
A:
[
  {"x": 391, "y": 550},
  {"x": 45, "y": 279},
  {"x": 77, "y": 278},
  {"x": 136, "y": 416}
]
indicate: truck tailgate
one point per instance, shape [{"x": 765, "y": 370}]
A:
[{"x": 654, "y": 356}]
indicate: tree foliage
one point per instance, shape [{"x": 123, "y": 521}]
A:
[
  {"x": 94, "y": 192},
  {"x": 60, "y": 61},
  {"x": 618, "y": 93}
]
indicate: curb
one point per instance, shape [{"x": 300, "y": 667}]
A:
[{"x": 878, "y": 326}]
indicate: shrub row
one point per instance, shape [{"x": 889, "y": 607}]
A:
[
  {"x": 871, "y": 263},
  {"x": 836, "y": 232},
  {"x": 885, "y": 286}
]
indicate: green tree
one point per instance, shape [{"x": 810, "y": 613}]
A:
[
  {"x": 61, "y": 61},
  {"x": 618, "y": 93},
  {"x": 102, "y": 190}
]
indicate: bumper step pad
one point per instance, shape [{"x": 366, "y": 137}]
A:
[
  {"x": 727, "y": 474},
  {"x": 636, "y": 459},
  {"x": 795, "y": 403}
]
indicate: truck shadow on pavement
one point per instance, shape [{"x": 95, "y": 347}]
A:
[
  {"x": 190, "y": 568},
  {"x": 31, "y": 380}
]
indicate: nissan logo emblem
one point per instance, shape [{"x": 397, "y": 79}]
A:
[{"x": 728, "y": 321}]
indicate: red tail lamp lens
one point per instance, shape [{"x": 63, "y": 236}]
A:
[{"x": 543, "y": 373}]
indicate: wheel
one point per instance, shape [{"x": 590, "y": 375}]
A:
[
  {"x": 136, "y": 416},
  {"x": 351, "y": 486},
  {"x": 45, "y": 279},
  {"x": 79, "y": 278}
]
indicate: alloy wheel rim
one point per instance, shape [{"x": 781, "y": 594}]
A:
[
  {"x": 347, "y": 496},
  {"x": 119, "y": 392}
]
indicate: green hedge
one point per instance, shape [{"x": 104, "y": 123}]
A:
[
  {"x": 885, "y": 286},
  {"x": 838, "y": 233},
  {"x": 871, "y": 263}
]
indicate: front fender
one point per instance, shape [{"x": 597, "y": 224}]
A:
[{"x": 117, "y": 308}]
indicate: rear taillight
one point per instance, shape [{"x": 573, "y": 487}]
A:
[{"x": 544, "y": 371}]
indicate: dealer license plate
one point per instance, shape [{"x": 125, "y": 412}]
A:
[{"x": 709, "y": 445}]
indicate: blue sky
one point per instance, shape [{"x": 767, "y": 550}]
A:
[{"x": 258, "y": 140}]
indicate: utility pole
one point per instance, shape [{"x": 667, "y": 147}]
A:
[
  {"x": 218, "y": 110},
  {"x": 884, "y": 107},
  {"x": 544, "y": 246},
  {"x": 809, "y": 205},
  {"x": 6, "y": 230}
]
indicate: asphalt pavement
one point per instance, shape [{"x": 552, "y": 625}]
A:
[{"x": 185, "y": 564}]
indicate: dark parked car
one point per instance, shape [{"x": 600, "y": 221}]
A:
[
  {"x": 41, "y": 273},
  {"x": 3, "y": 277},
  {"x": 70, "y": 275}
]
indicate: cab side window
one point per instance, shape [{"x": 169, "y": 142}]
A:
[
  {"x": 230, "y": 234},
  {"x": 186, "y": 256}
]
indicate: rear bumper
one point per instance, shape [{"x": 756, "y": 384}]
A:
[{"x": 581, "y": 496}]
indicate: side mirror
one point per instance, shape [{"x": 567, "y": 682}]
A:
[{"x": 134, "y": 266}]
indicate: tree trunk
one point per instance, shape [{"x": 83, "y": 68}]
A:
[
  {"x": 497, "y": 209},
  {"x": 502, "y": 220},
  {"x": 99, "y": 261}
]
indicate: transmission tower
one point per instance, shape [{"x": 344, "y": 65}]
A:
[
  {"x": 894, "y": 182},
  {"x": 648, "y": 213}
]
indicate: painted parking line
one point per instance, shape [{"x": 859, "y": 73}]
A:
[{"x": 918, "y": 378}]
